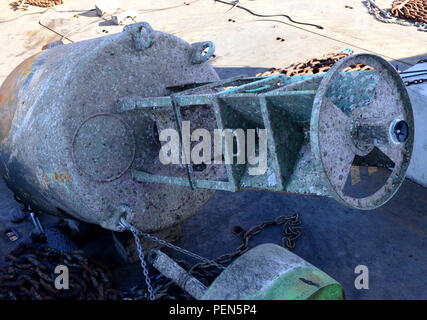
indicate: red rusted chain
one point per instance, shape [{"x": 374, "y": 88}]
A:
[
  {"x": 314, "y": 66},
  {"x": 415, "y": 10},
  {"x": 39, "y": 3}
]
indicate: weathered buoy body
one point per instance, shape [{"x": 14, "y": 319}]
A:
[
  {"x": 82, "y": 125},
  {"x": 64, "y": 148}
]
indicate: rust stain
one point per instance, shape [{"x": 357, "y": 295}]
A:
[
  {"x": 45, "y": 178},
  {"x": 39, "y": 38},
  {"x": 61, "y": 177},
  {"x": 28, "y": 68},
  {"x": 372, "y": 170},
  {"x": 43, "y": 42},
  {"x": 355, "y": 175},
  {"x": 9, "y": 93}
]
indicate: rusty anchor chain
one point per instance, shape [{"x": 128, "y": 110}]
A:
[
  {"x": 402, "y": 12},
  {"x": 291, "y": 228},
  {"x": 415, "y": 10},
  {"x": 314, "y": 66},
  {"x": 324, "y": 64},
  {"x": 38, "y": 3},
  {"x": 30, "y": 275}
]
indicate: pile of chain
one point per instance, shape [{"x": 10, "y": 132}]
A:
[
  {"x": 324, "y": 64},
  {"x": 415, "y": 10},
  {"x": 37, "y": 3},
  {"x": 394, "y": 14},
  {"x": 314, "y": 66},
  {"x": 30, "y": 270},
  {"x": 30, "y": 275}
]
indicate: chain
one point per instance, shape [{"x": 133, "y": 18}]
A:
[
  {"x": 417, "y": 81},
  {"x": 308, "y": 67},
  {"x": 142, "y": 259},
  {"x": 289, "y": 221},
  {"x": 38, "y": 3},
  {"x": 316, "y": 65},
  {"x": 386, "y": 17},
  {"x": 137, "y": 234},
  {"x": 410, "y": 9},
  {"x": 414, "y": 74},
  {"x": 29, "y": 274},
  {"x": 179, "y": 249},
  {"x": 290, "y": 226},
  {"x": 292, "y": 230},
  {"x": 201, "y": 270}
]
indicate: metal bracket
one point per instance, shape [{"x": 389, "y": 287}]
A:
[{"x": 253, "y": 101}]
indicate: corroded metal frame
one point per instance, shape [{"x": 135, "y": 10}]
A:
[
  {"x": 289, "y": 108},
  {"x": 256, "y": 95}
]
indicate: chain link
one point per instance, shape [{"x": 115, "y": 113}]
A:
[
  {"x": 415, "y": 73},
  {"x": 291, "y": 229},
  {"x": 415, "y": 10},
  {"x": 201, "y": 270},
  {"x": 417, "y": 81},
  {"x": 143, "y": 263},
  {"x": 387, "y": 17},
  {"x": 179, "y": 249},
  {"x": 137, "y": 234}
]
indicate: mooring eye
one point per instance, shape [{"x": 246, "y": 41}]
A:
[
  {"x": 141, "y": 33},
  {"x": 202, "y": 51}
]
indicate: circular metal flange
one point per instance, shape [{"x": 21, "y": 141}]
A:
[
  {"x": 103, "y": 147},
  {"x": 378, "y": 104}
]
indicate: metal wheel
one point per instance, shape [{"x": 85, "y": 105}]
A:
[{"x": 355, "y": 113}]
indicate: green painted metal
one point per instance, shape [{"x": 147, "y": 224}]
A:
[
  {"x": 305, "y": 283},
  {"x": 266, "y": 272},
  {"x": 270, "y": 272},
  {"x": 289, "y": 108},
  {"x": 343, "y": 84}
]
